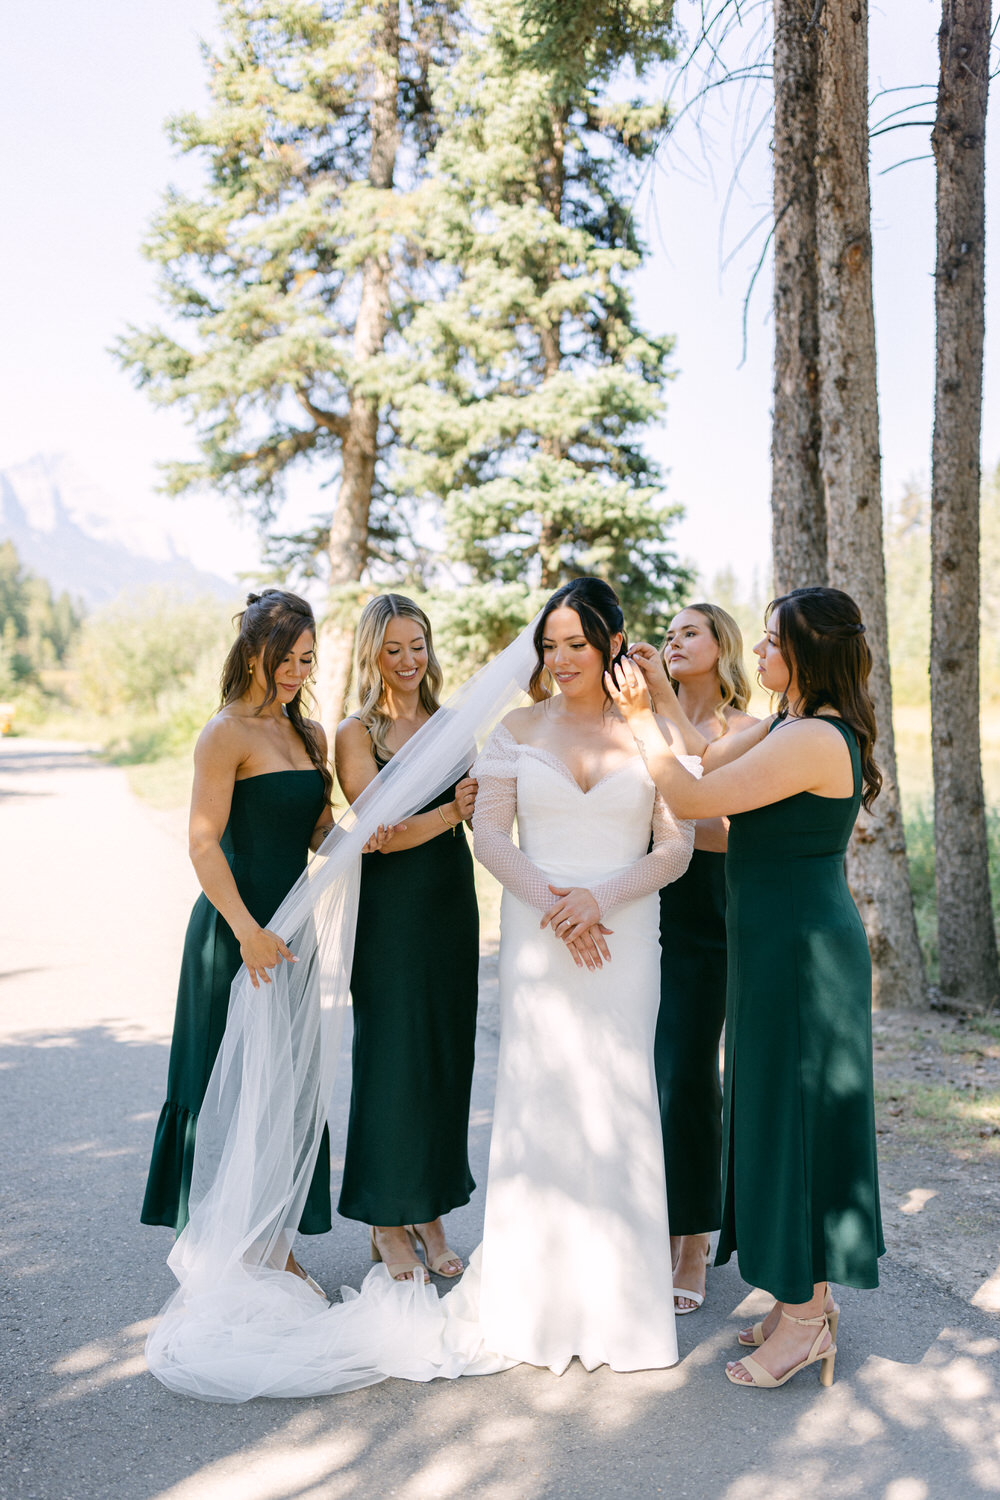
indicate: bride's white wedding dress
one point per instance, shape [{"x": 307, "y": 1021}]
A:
[{"x": 575, "y": 1257}]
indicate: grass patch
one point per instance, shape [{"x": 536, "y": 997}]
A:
[
  {"x": 962, "y": 1120},
  {"x": 919, "y": 822},
  {"x": 164, "y": 784}
]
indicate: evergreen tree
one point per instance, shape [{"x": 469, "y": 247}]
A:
[
  {"x": 35, "y": 629},
  {"x": 286, "y": 276},
  {"x": 532, "y": 379}
]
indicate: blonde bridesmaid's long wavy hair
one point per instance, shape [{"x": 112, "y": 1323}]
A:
[
  {"x": 733, "y": 679},
  {"x": 375, "y": 620}
]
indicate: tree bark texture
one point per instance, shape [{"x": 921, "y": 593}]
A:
[
  {"x": 798, "y": 509},
  {"x": 348, "y": 549},
  {"x": 966, "y": 935},
  {"x": 851, "y": 470}
]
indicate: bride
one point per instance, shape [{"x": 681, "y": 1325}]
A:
[
  {"x": 576, "y": 1248},
  {"x": 575, "y": 1257}
]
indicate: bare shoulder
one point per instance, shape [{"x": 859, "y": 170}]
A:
[
  {"x": 817, "y": 732},
  {"x": 223, "y": 743},
  {"x": 350, "y": 732},
  {"x": 522, "y": 723}
]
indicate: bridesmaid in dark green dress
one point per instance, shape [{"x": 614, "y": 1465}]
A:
[
  {"x": 260, "y": 801},
  {"x": 703, "y": 655},
  {"x": 800, "y": 1197},
  {"x": 414, "y": 983}
]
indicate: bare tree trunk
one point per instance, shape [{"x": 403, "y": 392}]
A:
[
  {"x": 966, "y": 935},
  {"x": 851, "y": 469},
  {"x": 348, "y": 549},
  {"x": 798, "y": 508}
]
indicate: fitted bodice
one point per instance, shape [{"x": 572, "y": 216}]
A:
[
  {"x": 266, "y": 840},
  {"x": 800, "y": 827},
  {"x": 582, "y": 836}
]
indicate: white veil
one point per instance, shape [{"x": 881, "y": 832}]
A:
[{"x": 239, "y": 1325}]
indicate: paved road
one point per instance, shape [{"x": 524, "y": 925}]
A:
[{"x": 94, "y": 896}]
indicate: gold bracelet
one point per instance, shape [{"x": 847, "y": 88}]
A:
[{"x": 444, "y": 820}]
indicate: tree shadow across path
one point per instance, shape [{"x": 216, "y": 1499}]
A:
[{"x": 914, "y": 1414}]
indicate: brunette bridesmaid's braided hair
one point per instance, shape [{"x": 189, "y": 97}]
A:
[
  {"x": 601, "y": 618},
  {"x": 821, "y": 637},
  {"x": 268, "y": 629}
]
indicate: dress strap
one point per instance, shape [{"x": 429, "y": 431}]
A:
[{"x": 375, "y": 755}]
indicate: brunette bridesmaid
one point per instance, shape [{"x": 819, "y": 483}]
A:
[
  {"x": 416, "y": 967},
  {"x": 703, "y": 659},
  {"x": 800, "y": 1180},
  {"x": 260, "y": 801}
]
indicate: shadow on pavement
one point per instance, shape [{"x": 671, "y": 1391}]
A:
[{"x": 914, "y": 1415}]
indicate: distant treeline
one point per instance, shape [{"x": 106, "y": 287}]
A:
[{"x": 37, "y": 627}]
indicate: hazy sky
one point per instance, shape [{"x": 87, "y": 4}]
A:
[{"x": 84, "y": 91}]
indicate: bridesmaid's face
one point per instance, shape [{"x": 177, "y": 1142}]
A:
[
  {"x": 290, "y": 674},
  {"x": 691, "y": 649},
  {"x": 402, "y": 661},
  {"x": 576, "y": 665},
  {"x": 772, "y": 669}
]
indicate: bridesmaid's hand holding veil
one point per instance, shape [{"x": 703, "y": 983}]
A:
[{"x": 262, "y": 950}]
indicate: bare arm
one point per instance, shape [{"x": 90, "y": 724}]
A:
[
  {"x": 713, "y": 753},
  {"x": 737, "y": 742},
  {"x": 808, "y": 756},
  {"x": 356, "y": 769},
  {"x": 325, "y": 821},
  {"x": 218, "y": 755}
]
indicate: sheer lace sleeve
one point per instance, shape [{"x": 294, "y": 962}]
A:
[
  {"x": 493, "y": 823},
  {"x": 673, "y": 841}
]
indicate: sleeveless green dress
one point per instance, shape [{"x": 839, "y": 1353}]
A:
[
  {"x": 266, "y": 843},
  {"x": 415, "y": 992},
  {"x": 800, "y": 1194},
  {"x": 686, "y": 1047}
]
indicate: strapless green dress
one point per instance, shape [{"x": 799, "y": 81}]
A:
[
  {"x": 266, "y": 844},
  {"x": 800, "y": 1179}
]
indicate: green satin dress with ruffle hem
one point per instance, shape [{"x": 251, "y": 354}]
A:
[{"x": 266, "y": 844}]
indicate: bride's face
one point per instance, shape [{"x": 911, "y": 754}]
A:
[{"x": 576, "y": 665}]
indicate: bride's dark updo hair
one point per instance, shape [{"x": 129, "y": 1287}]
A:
[
  {"x": 267, "y": 630},
  {"x": 601, "y": 619}
]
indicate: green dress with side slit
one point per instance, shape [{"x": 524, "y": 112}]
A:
[
  {"x": 800, "y": 1178},
  {"x": 266, "y": 844}
]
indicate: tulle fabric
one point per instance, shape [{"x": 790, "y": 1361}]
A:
[{"x": 238, "y": 1325}]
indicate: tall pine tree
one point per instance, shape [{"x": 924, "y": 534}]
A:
[
  {"x": 287, "y": 275},
  {"x": 532, "y": 379}
]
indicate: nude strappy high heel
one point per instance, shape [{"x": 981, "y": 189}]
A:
[
  {"x": 435, "y": 1265},
  {"x": 398, "y": 1268},
  {"x": 762, "y": 1379},
  {"x": 757, "y": 1334}
]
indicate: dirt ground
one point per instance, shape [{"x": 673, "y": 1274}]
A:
[{"x": 937, "y": 1100}]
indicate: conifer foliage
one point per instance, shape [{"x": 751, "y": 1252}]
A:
[
  {"x": 534, "y": 380},
  {"x": 407, "y": 268}
]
